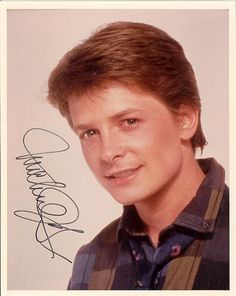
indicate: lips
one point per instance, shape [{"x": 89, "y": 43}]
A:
[{"x": 123, "y": 175}]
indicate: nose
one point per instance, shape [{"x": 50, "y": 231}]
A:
[{"x": 112, "y": 149}]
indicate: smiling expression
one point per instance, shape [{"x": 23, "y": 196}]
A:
[{"x": 130, "y": 140}]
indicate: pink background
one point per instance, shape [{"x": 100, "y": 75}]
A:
[{"x": 37, "y": 39}]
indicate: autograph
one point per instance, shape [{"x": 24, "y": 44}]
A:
[{"x": 55, "y": 210}]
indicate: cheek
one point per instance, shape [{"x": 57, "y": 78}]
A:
[
  {"x": 162, "y": 149},
  {"x": 161, "y": 138},
  {"x": 91, "y": 156}
]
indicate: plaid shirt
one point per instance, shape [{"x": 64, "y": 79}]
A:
[{"x": 193, "y": 252}]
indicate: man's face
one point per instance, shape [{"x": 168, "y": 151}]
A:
[{"x": 130, "y": 140}]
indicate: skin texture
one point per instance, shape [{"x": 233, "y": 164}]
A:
[{"x": 139, "y": 151}]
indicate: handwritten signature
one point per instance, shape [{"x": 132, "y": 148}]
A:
[{"x": 55, "y": 210}]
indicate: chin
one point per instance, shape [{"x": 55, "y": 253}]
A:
[{"x": 127, "y": 200}]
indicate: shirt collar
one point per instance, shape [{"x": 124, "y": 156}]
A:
[{"x": 200, "y": 213}]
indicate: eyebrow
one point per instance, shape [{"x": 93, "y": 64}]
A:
[{"x": 113, "y": 117}]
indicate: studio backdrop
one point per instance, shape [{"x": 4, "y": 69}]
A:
[{"x": 55, "y": 205}]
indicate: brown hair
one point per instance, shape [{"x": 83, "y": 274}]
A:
[{"x": 131, "y": 53}]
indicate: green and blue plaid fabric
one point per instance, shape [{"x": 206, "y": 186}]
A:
[{"x": 193, "y": 252}]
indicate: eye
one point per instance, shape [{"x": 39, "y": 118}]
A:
[
  {"x": 88, "y": 134},
  {"x": 130, "y": 121}
]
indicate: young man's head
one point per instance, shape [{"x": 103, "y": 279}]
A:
[
  {"x": 134, "y": 54},
  {"x": 131, "y": 95}
]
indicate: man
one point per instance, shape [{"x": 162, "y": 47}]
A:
[{"x": 131, "y": 96}]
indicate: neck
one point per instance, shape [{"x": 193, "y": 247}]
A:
[{"x": 162, "y": 209}]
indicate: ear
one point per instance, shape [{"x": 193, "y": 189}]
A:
[{"x": 188, "y": 121}]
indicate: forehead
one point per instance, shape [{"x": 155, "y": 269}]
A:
[
  {"x": 114, "y": 99},
  {"x": 112, "y": 94}
]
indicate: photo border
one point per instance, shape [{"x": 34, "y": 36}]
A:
[{"x": 22, "y": 5}]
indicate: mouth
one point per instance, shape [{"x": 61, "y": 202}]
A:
[{"x": 123, "y": 176}]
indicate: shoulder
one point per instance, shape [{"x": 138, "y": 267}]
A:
[
  {"x": 107, "y": 235},
  {"x": 223, "y": 214},
  {"x": 88, "y": 254},
  {"x": 224, "y": 206}
]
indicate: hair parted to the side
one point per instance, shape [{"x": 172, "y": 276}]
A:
[{"x": 134, "y": 54}]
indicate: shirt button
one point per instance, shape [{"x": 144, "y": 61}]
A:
[
  {"x": 205, "y": 224},
  {"x": 140, "y": 284}
]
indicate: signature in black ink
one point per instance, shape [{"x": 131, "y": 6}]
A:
[{"x": 55, "y": 210}]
